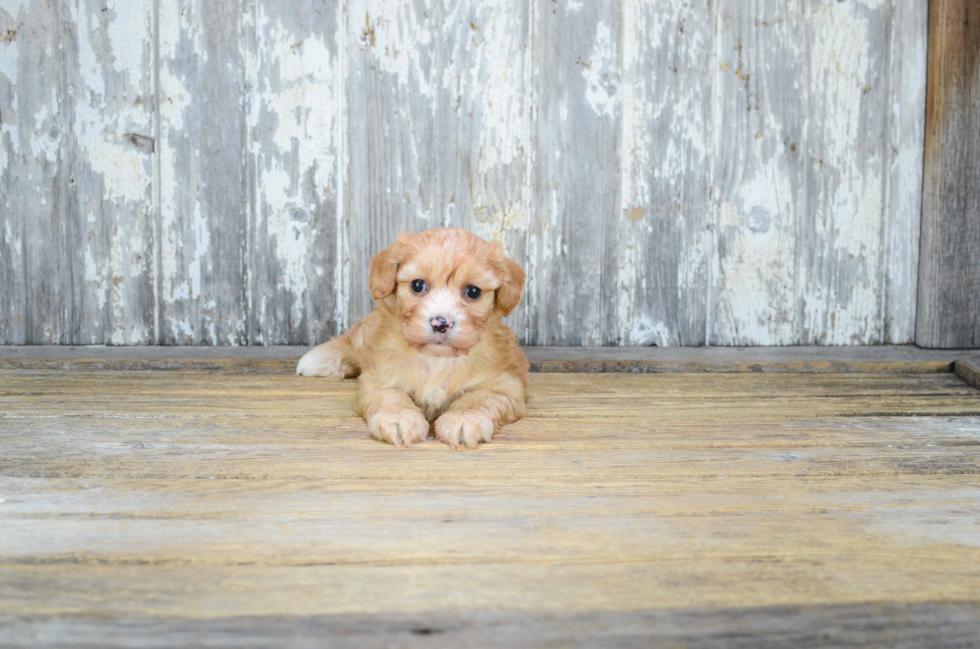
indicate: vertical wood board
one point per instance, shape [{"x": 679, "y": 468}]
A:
[
  {"x": 109, "y": 146},
  {"x": 949, "y": 273},
  {"x": 577, "y": 130},
  {"x": 439, "y": 125},
  {"x": 817, "y": 214},
  {"x": 37, "y": 290},
  {"x": 203, "y": 190},
  {"x": 760, "y": 87},
  {"x": 295, "y": 97}
]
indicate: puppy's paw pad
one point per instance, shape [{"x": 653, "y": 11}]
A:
[
  {"x": 466, "y": 428},
  {"x": 321, "y": 362},
  {"x": 400, "y": 427}
]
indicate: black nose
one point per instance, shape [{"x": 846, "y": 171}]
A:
[{"x": 439, "y": 324}]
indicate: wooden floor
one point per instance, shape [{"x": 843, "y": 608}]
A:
[{"x": 225, "y": 509}]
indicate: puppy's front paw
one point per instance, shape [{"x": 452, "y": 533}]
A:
[
  {"x": 465, "y": 428},
  {"x": 321, "y": 361},
  {"x": 399, "y": 427}
]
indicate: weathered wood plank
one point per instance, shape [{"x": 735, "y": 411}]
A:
[
  {"x": 575, "y": 180},
  {"x": 130, "y": 591},
  {"x": 969, "y": 371},
  {"x": 760, "y": 91},
  {"x": 949, "y": 271},
  {"x": 597, "y": 143},
  {"x": 296, "y": 100},
  {"x": 440, "y": 136},
  {"x": 654, "y": 289},
  {"x": 484, "y": 117},
  {"x": 109, "y": 144},
  {"x": 35, "y": 112},
  {"x": 847, "y": 145},
  {"x": 394, "y": 90},
  {"x": 943, "y": 625},
  {"x": 907, "y": 49},
  {"x": 203, "y": 184},
  {"x": 816, "y": 395},
  {"x": 877, "y": 359},
  {"x": 817, "y": 219},
  {"x": 14, "y": 166},
  {"x": 704, "y": 510}
]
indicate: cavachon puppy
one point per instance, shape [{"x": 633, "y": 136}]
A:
[{"x": 435, "y": 347}]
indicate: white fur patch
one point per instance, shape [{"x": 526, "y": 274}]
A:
[
  {"x": 442, "y": 303},
  {"x": 320, "y": 362}
]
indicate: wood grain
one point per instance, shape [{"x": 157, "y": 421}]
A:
[
  {"x": 949, "y": 272},
  {"x": 203, "y": 189},
  {"x": 935, "y": 624},
  {"x": 842, "y": 239},
  {"x": 577, "y": 131},
  {"x": 34, "y": 245},
  {"x": 394, "y": 88},
  {"x": 673, "y": 173},
  {"x": 758, "y": 173},
  {"x": 685, "y": 506},
  {"x": 673, "y": 360},
  {"x": 969, "y": 371},
  {"x": 907, "y": 65},
  {"x": 297, "y": 174},
  {"x": 440, "y": 136},
  {"x": 109, "y": 145},
  {"x": 658, "y": 246}
]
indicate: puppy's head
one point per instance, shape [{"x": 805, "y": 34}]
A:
[{"x": 446, "y": 284}]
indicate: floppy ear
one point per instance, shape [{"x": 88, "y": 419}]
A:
[
  {"x": 512, "y": 289},
  {"x": 384, "y": 269}
]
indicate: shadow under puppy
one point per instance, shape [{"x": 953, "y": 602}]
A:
[{"x": 435, "y": 347}]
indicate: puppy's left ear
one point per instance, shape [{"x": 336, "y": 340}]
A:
[
  {"x": 384, "y": 269},
  {"x": 512, "y": 287}
]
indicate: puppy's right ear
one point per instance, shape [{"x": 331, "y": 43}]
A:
[{"x": 384, "y": 269}]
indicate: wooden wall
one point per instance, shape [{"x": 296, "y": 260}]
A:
[
  {"x": 949, "y": 277},
  {"x": 669, "y": 172}
]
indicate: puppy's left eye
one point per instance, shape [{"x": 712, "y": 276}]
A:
[{"x": 473, "y": 292}]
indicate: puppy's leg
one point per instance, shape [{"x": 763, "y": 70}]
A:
[
  {"x": 333, "y": 358},
  {"x": 392, "y": 417},
  {"x": 477, "y": 416}
]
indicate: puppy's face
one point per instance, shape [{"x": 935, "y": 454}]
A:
[{"x": 446, "y": 284}]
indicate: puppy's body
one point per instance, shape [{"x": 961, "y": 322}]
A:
[{"x": 439, "y": 354}]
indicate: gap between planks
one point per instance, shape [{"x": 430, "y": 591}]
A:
[{"x": 642, "y": 360}]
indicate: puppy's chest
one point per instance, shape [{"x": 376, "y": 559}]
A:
[{"x": 433, "y": 382}]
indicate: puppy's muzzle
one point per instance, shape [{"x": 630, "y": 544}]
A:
[{"x": 441, "y": 325}]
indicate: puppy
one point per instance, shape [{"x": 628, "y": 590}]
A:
[{"x": 435, "y": 348}]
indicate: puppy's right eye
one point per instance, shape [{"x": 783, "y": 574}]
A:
[{"x": 418, "y": 286}]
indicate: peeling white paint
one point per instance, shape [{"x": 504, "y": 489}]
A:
[
  {"x": 472, "y": 68},
  {"x": 45, "y": 139},
  {"x": 9, "y": 60},
  {"x": 99, "y": 127},
  {"x": 495, "y": 225},
  {"x": 849, "y": 215},
  {"x": 397, "y": 34},
  {"x": 602, "y": 73},
  {"x": 342, "y": 267},
  {"x": 757, "y": 241},
  {"x": 9, "y": 66},
  {"x": 175, "y": 102},
  {"x": 645, "y": 332},
  {"x": 294, "y": 77},
  {"x": 494, "y": 65},
  {"x": 634, "y": 144}
]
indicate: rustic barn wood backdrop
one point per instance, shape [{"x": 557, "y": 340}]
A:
[{"x": 669, "y": 172}]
